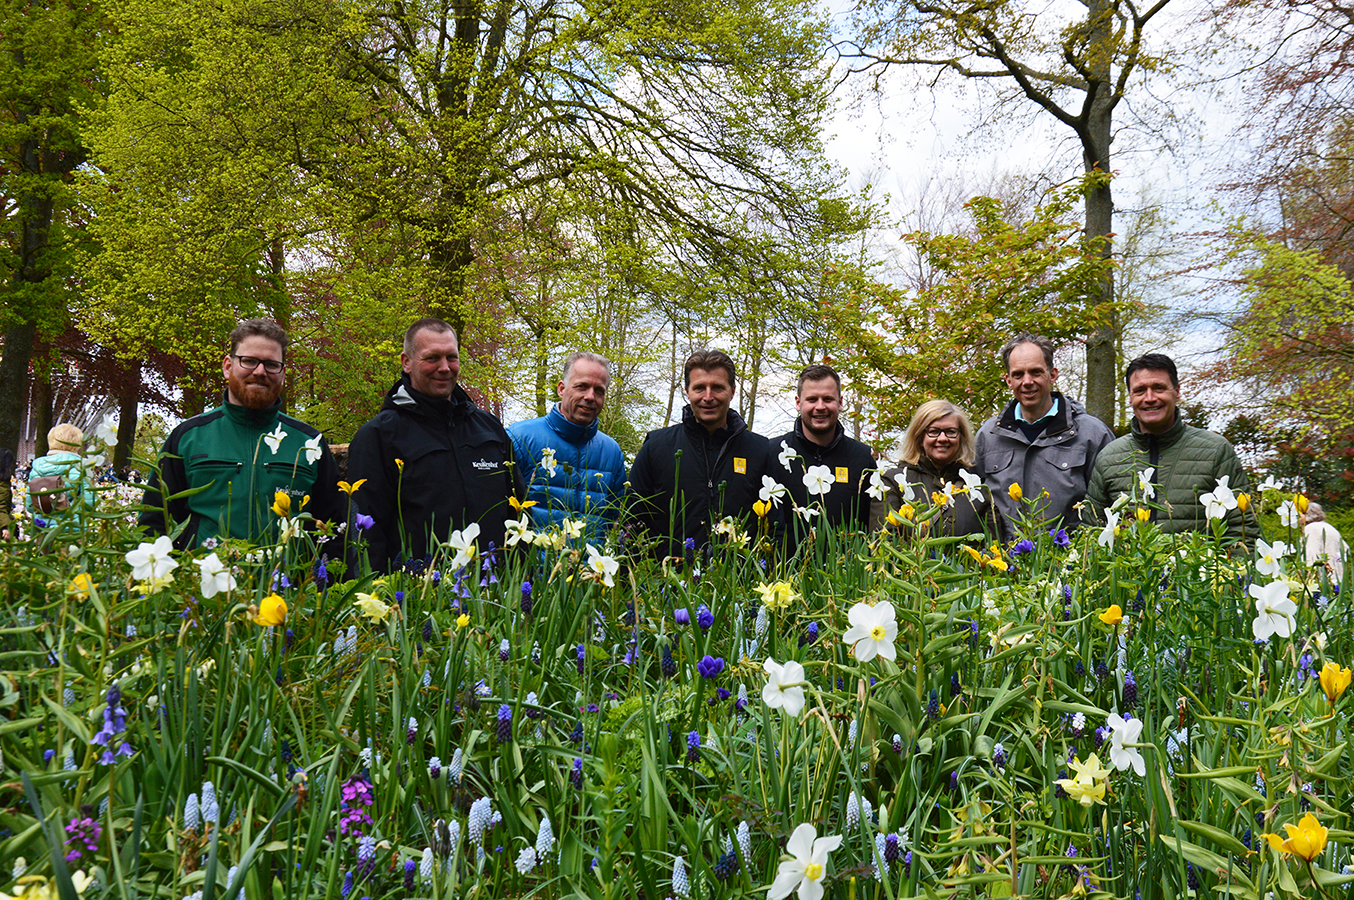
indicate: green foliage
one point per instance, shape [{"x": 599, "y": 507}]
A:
[{"x": 1000, "y": 279}]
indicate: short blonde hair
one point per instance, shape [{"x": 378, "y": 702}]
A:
[
  {"x": 932, "y": 411},
  {"x": 66, "y": 437}
]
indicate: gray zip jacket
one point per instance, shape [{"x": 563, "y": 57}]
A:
[{"x": 1058, "y": 461}]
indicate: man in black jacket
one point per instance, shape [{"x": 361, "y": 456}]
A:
[
  {"x": 707, "y": 466},
  {"x": 818, "y": 439},
  {"x": 433, "y": 461}
]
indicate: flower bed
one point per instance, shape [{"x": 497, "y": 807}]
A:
[{"x": 1091, "y": 715}]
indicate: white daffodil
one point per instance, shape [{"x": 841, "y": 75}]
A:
[
  {"x": 878, "y": 488},
  {"x": 1106, "y": 536},
  {"x": 784, "y": 688},
  {"x": 818, "y": 479},
  {"x": 787, "y": 454},
  {"x": 216, "y": 578},
  {"x": 1126, "y": 731},
  {"x": 872, "y": 632},
  {"x": 1273, "y": 611},
  {"x": 371, "y": 607},
  {"x": 518, "y": 531},
  {"x": 807, "y": 513},
  {"x": 288, "y": 528},
  {"x": 772, "y": 491},
  {"x": 463, "y": 542},
  {"x": 152, "y": 562},
  {"x": 551, "y": 539},
  {"x": 974, "y": 483},
  {"x": 1220, "y": 500},
  {"x": 1269, "y": 484},
  {"x": 1288, "y": 514},
  {"x": 107, "y": 430},
  {"x": 548, "y": 461},
  {"x": 603, "y": 568},
  {"x": 1267, "y": 557},
  {"x": 904, "y": 487},
  {"x": 1145, "y": 485},
  {"x": 313, "y": 451},
  {"x": 804, "y": 872},
  {"x": 275, "y": 438},
  {"x": 572, "y": 528}
]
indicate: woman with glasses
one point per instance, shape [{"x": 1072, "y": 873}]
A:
[{"x": 937, "y": 453}]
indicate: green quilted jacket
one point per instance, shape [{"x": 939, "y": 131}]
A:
[{"x": 1188, "y": 462}]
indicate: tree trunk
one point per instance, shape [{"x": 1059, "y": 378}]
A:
[
  {"x": 18, "y": 353},
  {"x": 542, "y": 373},
  {"x": 1095, "y": 143},
  {"x": 127, "y": 417}
]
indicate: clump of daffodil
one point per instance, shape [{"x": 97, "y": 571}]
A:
[
  {"x": 1112, "y": 616},
  {"x": 81, "y": 585},
  {"x": 281, "y": 504},
  {"x": 1306, "y": 839},
  {"x": 777, "y": 595},
  {"x": 271, "y": 611},
  {"x": 1089, "y": 785},
  {"x": 1334, "y": 681}
]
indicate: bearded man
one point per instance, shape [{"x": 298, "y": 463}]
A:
[{"x": 251, "y": 463}]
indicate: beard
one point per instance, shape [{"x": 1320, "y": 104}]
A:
[{"x": 252, "y": 393}]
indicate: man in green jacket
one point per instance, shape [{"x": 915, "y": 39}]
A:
[
  {"x": 1177, "y": 472},
  {"x": 244, "y": 455}
]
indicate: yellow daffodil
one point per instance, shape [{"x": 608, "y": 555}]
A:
[
  {"x": 1301, "y": 501},
  {"x": 1243, "y": 501},
  {"x": 399, "y": 464},
  {"x": 1143, "y": 514},
  {"x": 777, "y": 595},
  {"x": 1088, "y": 787},
  {"x": 272, "y": 611},
  {"x": 898, "y": 516},
  {"x": 1112, "y": 616},
  {"x": 995, "y": 560},
  {"x": 519, "y": 505},
  {"x": 351, "y": 489},
  {"x": 1306, "y": 839},
  {"x": 463, "y": 620},
  {"x": 371, "y": 607},
  {"x": 281, "y": 503},
  {"x": 1334, "y": 680},
  {"x": 1015, "y": 491},
  {"x": 305, "y": 500},
  {"x": 82, "y": 584},
  {"x": 761, "y": 508}
]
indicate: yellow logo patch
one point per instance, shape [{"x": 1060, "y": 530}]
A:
[
  {"x": 842, "y": 474},
  {"x": 740, "y": 465}
]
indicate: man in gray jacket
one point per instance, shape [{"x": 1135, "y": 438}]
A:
[{"x": 1043, "y": 441}]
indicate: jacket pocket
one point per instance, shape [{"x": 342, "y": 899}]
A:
[{"x": 996, "y": 461}]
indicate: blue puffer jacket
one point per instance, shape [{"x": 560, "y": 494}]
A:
[{"x": 589, "y": 474}]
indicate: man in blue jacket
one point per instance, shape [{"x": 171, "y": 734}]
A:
[{"x": 572, "y": 469}]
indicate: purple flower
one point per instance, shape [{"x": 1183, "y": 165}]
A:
[
  {"x": 576, "y": 773},
  {"x": 363, "y": 522},
  {"x": 82, "y": 836},
  {"x": 355, "y": 796},
  {"x": 1060, "y": 538},
  {"x": 526, "y": 598},
  {"x": 693, "y": 747},
  {"x": 681, "y": 616},
  {"x": 504, "y": 732},
  {"x": 710, "y": 666},
  {"x": 1024, "y": 546},
  {"x": 704, "y": 618}
]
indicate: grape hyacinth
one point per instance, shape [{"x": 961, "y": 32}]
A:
[
  {"x": 211, "y": 810},
  {"x": 504, "y": 731},
  {"x": 693, "y": 747},
  {"x": 681, "y": 883}
]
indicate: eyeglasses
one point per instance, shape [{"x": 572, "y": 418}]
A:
[
  {"x": 950, "y": 433},
  {"x": 250, "y": 363}
]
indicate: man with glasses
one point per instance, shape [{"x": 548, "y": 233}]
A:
[
  {"x": 249, "y": 463},
  {"x": 1044, "y": 441}
]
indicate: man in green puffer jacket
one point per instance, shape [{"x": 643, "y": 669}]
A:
[
  {"x": 1191, "y": 469},
  {"x": 243, "y": 454}
]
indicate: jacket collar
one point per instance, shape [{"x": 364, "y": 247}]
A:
[
  {"x": 254, "y": 418},
  {"x": 1057, "y": 424},
  {"x": 572, "y": 432},
  {"x": 1164, "y": 439},
  {"x": 404, "y": 398},
  {"x": 808, "y": 444}
]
